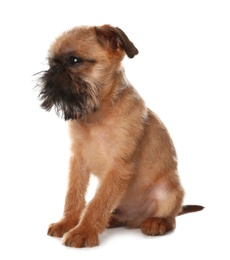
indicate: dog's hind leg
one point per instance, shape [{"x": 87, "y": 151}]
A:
[
  {"x": 168, "y": 199},
  {"x": 155, "y": 226},
  {"x": 114, "y": 222}
]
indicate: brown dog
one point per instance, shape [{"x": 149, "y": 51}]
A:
[{"x": 114, "y": 136}]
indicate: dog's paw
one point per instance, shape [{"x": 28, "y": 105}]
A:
[
  {"x": 60, "y": 228},
  {"x": 80, "y": 238},
  {"x": 113, "y": 223},
  {"x": 157, "y": 226}
]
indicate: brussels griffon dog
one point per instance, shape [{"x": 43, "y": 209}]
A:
[{"x": 114, "y": 136}]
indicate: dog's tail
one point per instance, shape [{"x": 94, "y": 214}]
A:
[{"x": 190, "y": 208}]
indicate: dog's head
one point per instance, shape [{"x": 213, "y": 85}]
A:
[{"x": 83, "y": 63}]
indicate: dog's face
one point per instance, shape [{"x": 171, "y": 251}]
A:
[{"x": 83, "y": 63}]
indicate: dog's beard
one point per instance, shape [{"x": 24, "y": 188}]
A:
[{"x": 71, "y": 96}]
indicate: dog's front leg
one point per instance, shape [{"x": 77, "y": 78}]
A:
[
  {"x": 75, "y": 199},
  {"x": 98, "y": 212}
]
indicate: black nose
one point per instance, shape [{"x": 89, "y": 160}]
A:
[
  {"x": 56, "y": 69},
  {"x": 54, "y": 61}
]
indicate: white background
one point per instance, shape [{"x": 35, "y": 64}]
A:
[{"x": 183, "y": 73}]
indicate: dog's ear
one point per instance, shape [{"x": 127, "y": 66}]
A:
[{"x": 115, "y": 39}]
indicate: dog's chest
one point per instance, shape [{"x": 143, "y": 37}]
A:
[
  {"x": 98, "y": 145},
  {"x": 102, "y": 141}
]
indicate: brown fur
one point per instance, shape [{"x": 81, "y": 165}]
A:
[{"x": 114, "y": 136}]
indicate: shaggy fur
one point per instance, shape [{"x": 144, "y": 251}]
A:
[{"x": 114, "y": 136}]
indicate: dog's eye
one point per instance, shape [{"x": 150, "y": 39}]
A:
[{"x": 72, "y": 61}]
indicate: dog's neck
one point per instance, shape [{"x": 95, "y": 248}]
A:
[
  {"x": 114, "y": 85},
  {"x": 114, "y": 91}
]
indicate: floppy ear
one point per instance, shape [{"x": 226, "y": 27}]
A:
[{"x": 115, "y": 39}]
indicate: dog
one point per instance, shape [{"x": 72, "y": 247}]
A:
[{"x": 114, "y": 136}]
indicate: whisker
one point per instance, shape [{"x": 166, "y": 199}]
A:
[{"x": 43, "y": 71}]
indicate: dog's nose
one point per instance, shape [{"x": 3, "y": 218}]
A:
[
  {"x": 55, "y": 69},
  {"x": 54, "y": 62}
]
